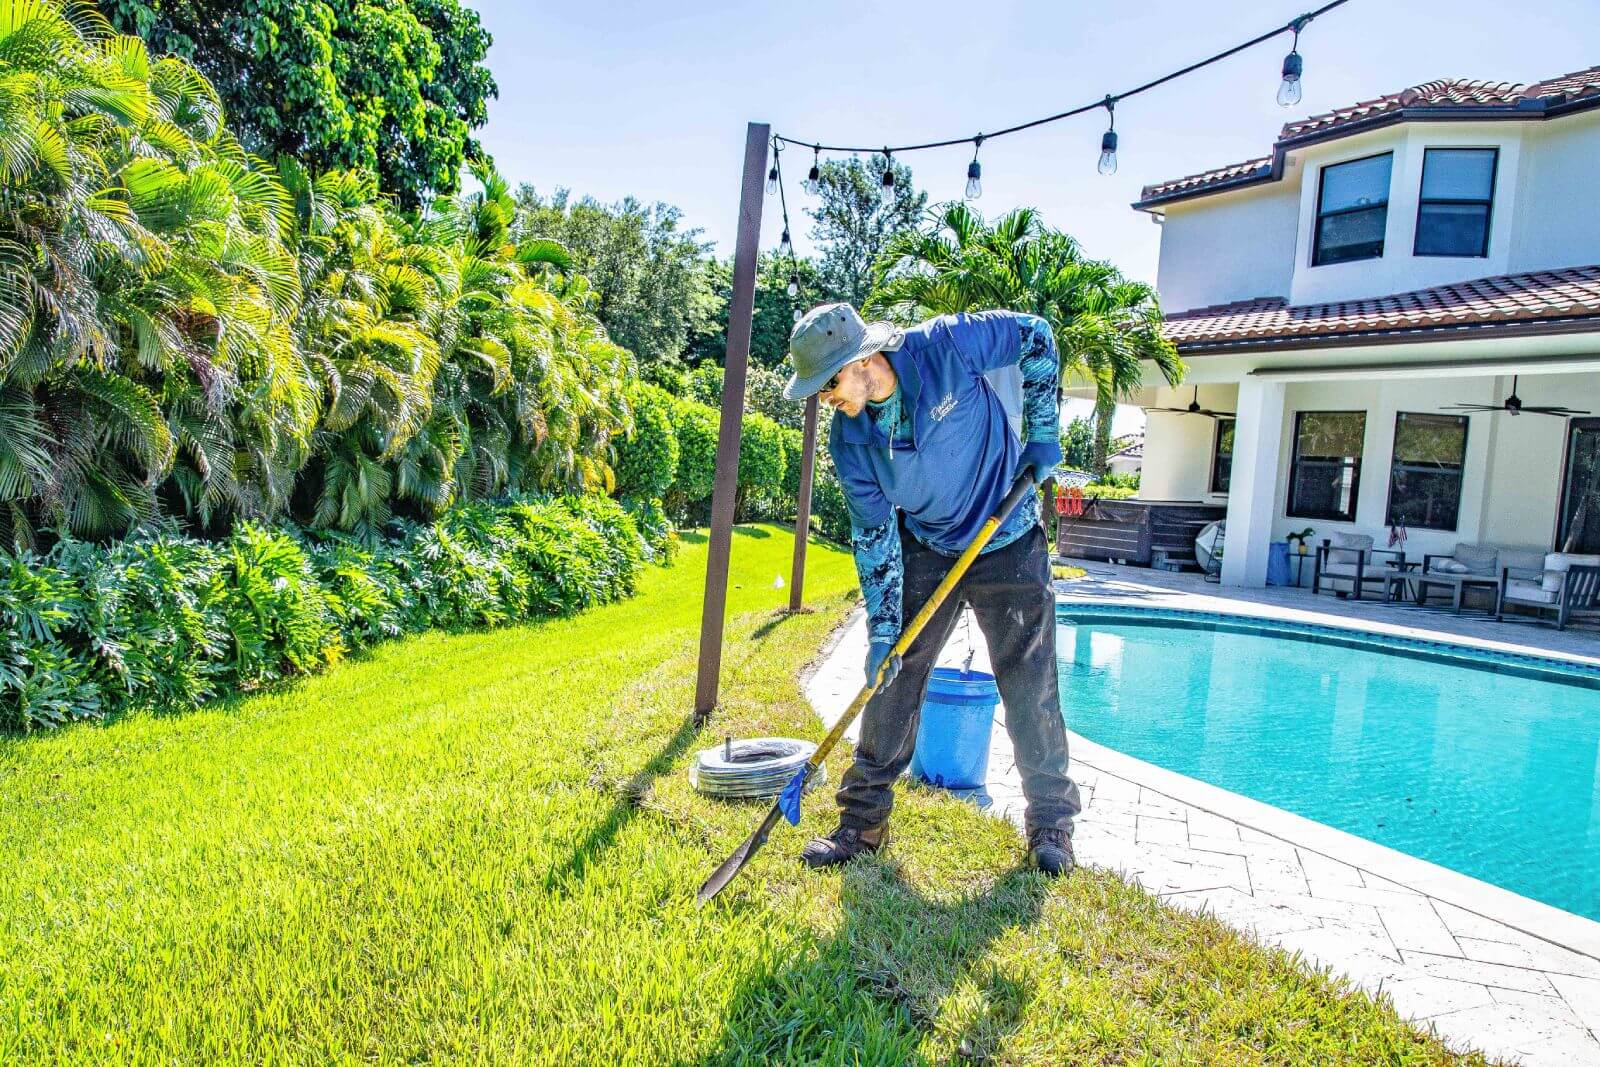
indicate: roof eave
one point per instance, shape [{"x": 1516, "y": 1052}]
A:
[{"x": 1406, "y": 335}]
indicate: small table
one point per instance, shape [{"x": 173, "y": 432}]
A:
[
  {"x": 1458, "y": 584},
  {"x": 1394, "y": 582}
]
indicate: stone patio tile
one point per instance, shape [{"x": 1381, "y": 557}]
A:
[
  {"x": 1425, "y": 996},
  {"x": 1369, "y": 962},
  {"x": 1158, "y": 831},
  {"x": 1248, "y": 834},
  {"x": 1106, "y": 815},
  {"x": 1420, "y": 929},
  {"x": 1530, "y": 1027},
  {"x": 1519, "y": 979},
  {"x": 1209, "y": 825},
  {"x": 1112, "y": 788},
  {"x": 1582, "y": 996},
  {"x": 1357, "y": 894},
  {"x": 1244, "y": 912},
  {"x": 1531, "y": 953},
  {"x": 1373, "y": 881},
  {"x": 1331, "y": 872},
  {"x": 1273, "y": 875},
  {"x": 1230, "y": 846},
  {"x": 1465, "y": 923}
]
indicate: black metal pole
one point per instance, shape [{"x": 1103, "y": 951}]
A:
[
  {"x": 802, "y": 512},
  {"x": 740, "y": 312}
]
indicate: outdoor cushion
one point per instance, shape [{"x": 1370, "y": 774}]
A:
[
  {"x": 1345, "y": 570},
  {"x": 1348, "y": 548},
  {"x": 1448, "y": 566},
  {"x": 1528, "y": 591},
  {"x": 1527, "y": 562},
  {"x": 1478, "y": 559},
  {"x": 1556, "y": 564}
]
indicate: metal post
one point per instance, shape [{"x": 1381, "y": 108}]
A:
[
  {"x": 740, "y": 312},
  {"x": 802, "y": 511}
]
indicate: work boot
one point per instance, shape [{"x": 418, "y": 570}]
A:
[
  {"x": 1050, "y": 849},
  {"x": 841, "y": 846}
]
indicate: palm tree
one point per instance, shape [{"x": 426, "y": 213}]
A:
[{"x": 1105, "y": 325}]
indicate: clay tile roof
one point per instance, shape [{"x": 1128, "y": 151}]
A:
[
  {"x": 1566, "y": 293},
  {"x": 1452, "y": 93}
]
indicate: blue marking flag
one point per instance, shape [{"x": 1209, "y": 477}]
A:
[{"x": 789, "y": 799}]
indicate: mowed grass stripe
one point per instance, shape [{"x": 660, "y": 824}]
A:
[{"x": 483, "y": 848}]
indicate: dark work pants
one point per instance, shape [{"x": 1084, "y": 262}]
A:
[{"x": 1009, "y": 590}]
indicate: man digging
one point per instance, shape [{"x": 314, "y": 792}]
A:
[{"x": 925, "y": 451}]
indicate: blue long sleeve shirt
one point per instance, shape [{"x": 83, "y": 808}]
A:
[{"x": 944, "y": 447}]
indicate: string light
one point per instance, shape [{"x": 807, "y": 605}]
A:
[
  {"x": 772, "y": 180},
  {"x": 813, "y": 183},
  {"x": 794, "y": 284},
  {"x": 1108, "y": 140},
  {"x": 1288, "y": 94},
  {"x": 786, "y": 246},
  {"x": 1289, "y": 88}
]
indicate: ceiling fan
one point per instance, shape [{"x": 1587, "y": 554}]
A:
[
  {"x": 1515, "y": 406},
  {"x": 1194, "y": 408}
]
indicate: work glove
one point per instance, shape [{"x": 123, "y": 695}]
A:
[
  {"x": 877, "y": 653},
  {"x": 1042, "y": 457}
]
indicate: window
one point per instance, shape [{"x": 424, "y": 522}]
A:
[
  {"x": 1222, "y": 456},
  {"x": 1352, "y": 210},
  {"x": 1326, "y": 472},
  {"x": 1457, "y": 193},
  {"x": 1425, "y": 474}
]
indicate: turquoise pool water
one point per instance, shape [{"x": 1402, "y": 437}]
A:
[{"x": 1487, "y": 765}]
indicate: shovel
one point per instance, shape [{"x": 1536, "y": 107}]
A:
[{"x": 788, "y": 803}]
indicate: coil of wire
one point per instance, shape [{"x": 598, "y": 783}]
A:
[{"x": 756, "y": 768}]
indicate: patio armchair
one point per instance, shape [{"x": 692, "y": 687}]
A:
[
  {"x": 1350, "y": 560},
  {"x": 1567, "y": 584}
]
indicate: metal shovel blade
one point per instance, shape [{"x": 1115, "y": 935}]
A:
[{"x": 741, "y": 856}]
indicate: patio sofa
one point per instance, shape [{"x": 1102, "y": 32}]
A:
[
  {"x": 1474, "y": 566},
  {"x": 1345, "y": 562},
  {"x": 1564, "y": 584}
]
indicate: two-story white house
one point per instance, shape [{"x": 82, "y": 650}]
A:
[{"x": 1335, "y": 299}]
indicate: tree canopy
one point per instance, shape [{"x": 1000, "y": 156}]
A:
[
  {"x": 854, "y": 222},
  {"x": 395, "y": 87}
]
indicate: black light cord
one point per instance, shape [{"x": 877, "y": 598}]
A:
[{"x": 1294, "y": 26}]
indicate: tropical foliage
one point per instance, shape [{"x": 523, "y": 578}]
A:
[
  {"x": 1105, "y": 325},
  {"x": 166, "y": 622},
  {"x": 395, "y": 88},
  {"x": 189, "y": 338}
]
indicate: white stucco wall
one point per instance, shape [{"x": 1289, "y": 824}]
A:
[
  {"x": 1558, "y": 221},
  {"x": 1229, "y": 247},
  {"x": 1511, "y": 481}
]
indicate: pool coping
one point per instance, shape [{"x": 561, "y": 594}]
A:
[{"x": 1535, "y": 918}]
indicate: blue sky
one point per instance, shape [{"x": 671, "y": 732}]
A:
[{"x": 613, "y": 99}]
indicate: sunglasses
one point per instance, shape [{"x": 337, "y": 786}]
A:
[{"x": 833, "y": 383}]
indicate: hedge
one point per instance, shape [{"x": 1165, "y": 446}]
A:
[{"x": 166, "y": 622}]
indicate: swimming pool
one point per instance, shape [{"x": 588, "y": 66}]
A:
[{"x": 1487, "y": 764}]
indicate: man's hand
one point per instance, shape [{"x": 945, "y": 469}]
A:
[
  {"x": 1042, "y": 457},
  {"x": 877, "y": 654}
]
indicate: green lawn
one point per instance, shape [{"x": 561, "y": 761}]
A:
[{"x": 483, "y": 848}]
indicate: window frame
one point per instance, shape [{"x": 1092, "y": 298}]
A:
[
  {"x": 1291, "y": 509},
  {"x": 1395, "y": 465},
  {"x": 1216, "y": 454},
  {"x": 1488, "y": 205},
  {"x": 1318, "y": 215}
]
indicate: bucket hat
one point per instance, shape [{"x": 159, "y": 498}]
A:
[{"x": 828, "y": 338}]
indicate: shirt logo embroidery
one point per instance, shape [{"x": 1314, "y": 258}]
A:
[{"x": 944, "y": 407}]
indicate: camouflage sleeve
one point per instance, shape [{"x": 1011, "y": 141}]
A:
[
  {"x": 1041, "y": 375},
  {"x": 877, "y": 553}
]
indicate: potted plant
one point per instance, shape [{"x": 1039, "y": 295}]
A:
[{"x": 1300, "y": 539}]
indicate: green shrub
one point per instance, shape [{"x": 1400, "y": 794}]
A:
[
  {"x": 167, "y": 622},
  {"x": 761, "y": 470},
  {"x": 655, "y": 529},
  {"x": 794, "y": 446},
  {"x": 829, "y": 512},
  {"x": 695, "y": 426},
  {"x": 647, "y": 461},
  {"x": 1106, "y": 491}
]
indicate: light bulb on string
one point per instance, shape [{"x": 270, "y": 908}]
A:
[
  {"x": 1293, "y": 65},
  {"x": 1108, "y": 141},
  {"x": 813, "y": 183},
  {"x": 887, "y": 190},
  {"x": 772, "y": 180},
  {"x": 798, "y": 314},
  {"x": 786, "y": 246},
  {"x": 975, "y": 171},
  {"x": 794, "y": 285}
]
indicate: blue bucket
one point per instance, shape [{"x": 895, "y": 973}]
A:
[{"x": 953, "y": 737}]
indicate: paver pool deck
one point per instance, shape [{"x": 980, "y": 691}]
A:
[{"x": 1487, "y": 969}]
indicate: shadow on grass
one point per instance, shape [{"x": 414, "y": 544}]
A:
[
  {"x": 603, "y": 836},
  {"x": 874, "y": 990},
  {"x": 695, "y": 537}
]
